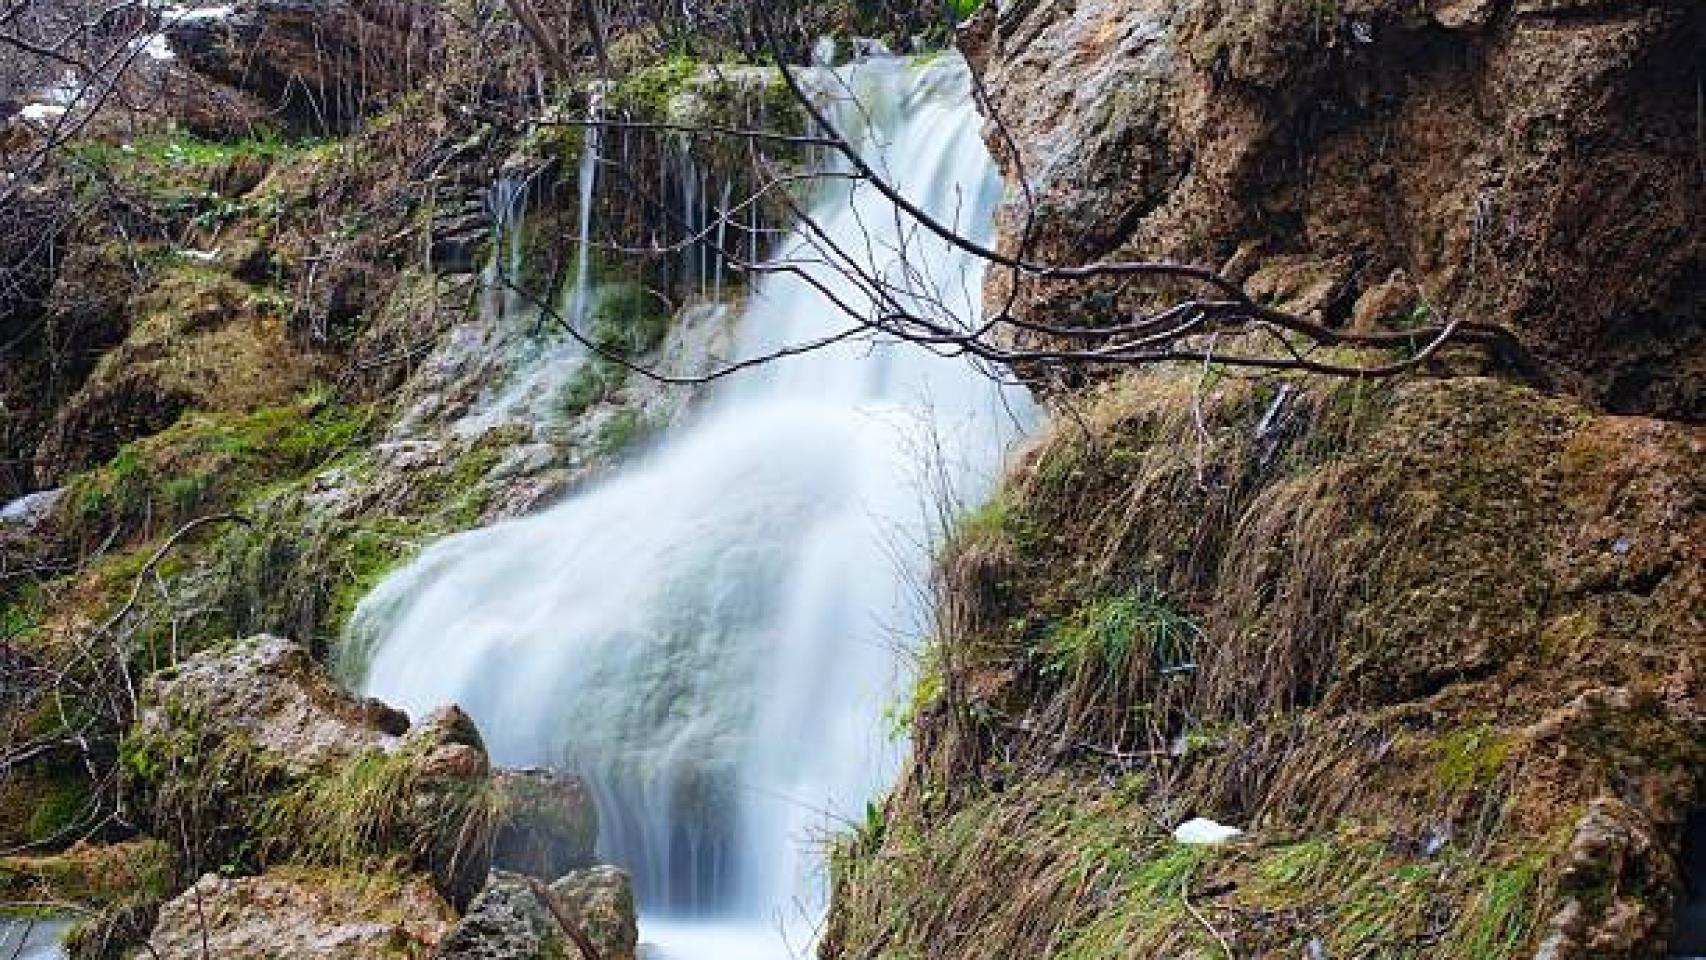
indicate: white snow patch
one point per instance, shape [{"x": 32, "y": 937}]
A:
[
  {"x": 1201, "y": 831},
  {"x": 31, "y": 508},
  {"x": 203, "y": 13},
  {"x": 42, "y": 111},
  {"x": 157, "y": 49}
]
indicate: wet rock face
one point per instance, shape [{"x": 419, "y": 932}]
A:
[
  {"x": 327, "y": 63},
  {"x": 1531, "y": 168},
  {"x": 303, "y": 915},
  {"x": 550, "y": 824}
]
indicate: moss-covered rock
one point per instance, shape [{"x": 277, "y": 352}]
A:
[
  {"x": 90, "y": 874},
  {"x": 198, "y": 339},
  {"x": 302, "y": 914},
  {"x": 254, "y": 756}
]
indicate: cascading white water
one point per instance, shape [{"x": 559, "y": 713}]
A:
[{"x": 710, "y": 637}]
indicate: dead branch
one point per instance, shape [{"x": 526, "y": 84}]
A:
[{"x": 571, "y": 929}]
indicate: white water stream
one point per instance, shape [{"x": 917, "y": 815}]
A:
[{"x": 711, "y": 636}]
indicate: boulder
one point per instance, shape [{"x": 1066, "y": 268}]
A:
[
  {"x": 507, "y": 921},
  {"x": 601, "y": 900},
  {"x": 255, "y": 752},
  {"x": 549, "y": 825},
  {"x": 303, "y": 915}
]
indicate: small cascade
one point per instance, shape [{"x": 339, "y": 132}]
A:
[
  {"x": 722, "y": 237},
  {"x": 587, "y": 183},
  {"x": 690, "y": 185},
  {"x": 506, "y": 203},
  {"x": 533, "y": 357},
  {"x": 711, "y": 636}
]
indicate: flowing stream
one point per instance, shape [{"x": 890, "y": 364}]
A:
[{"x": 711, "y": 636}]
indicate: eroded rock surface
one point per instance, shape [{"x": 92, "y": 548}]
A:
[
  {"x": 1524, "y": 164},
  {"x": 601, "y": 900},
  {"x": 303, "y": 915},
  {"x": 507, "y": 921}
]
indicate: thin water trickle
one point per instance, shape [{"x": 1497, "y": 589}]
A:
[
  {"x": 711, "y": 636},
  {"x": 588, "y": 186}
]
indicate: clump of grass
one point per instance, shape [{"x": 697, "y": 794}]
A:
[
  {"x": 382, "y": 808},
  {"x": 1504, "y": 916},
  {"x": 595, "y": 382},
  {"x": 1105, "y": 670},
  {"x": 346, "y": 816},
  {"x": 1107, "y": 634},
  {"x": 1470, "y": 758}
]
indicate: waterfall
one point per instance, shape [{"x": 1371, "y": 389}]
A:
[
  {"x": 711, "y": 635},
  {"x": 588, "y": 186}
]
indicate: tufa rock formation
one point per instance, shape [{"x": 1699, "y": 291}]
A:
[{"x": 1527, "y": 163}]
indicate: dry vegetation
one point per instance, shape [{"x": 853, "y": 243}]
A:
[{"x": 1362, "y": 623}]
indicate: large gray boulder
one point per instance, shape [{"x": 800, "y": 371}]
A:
[{"x": 507, "y": 921}]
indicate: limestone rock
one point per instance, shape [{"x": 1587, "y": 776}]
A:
[
  {"x": 505, "y": 922},
  {"x": 290, "y": 714},
  {"x": 1530, "y": 167},
  {"x": 303, "y": 915},
  {"x": 264, "y": 759},
  {"x": 508, "y": 922}
]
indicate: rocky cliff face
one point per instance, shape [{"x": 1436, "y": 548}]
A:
[
  {"x": 1434, "y": 645},
  {"x": 1525, "y": 163}
]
